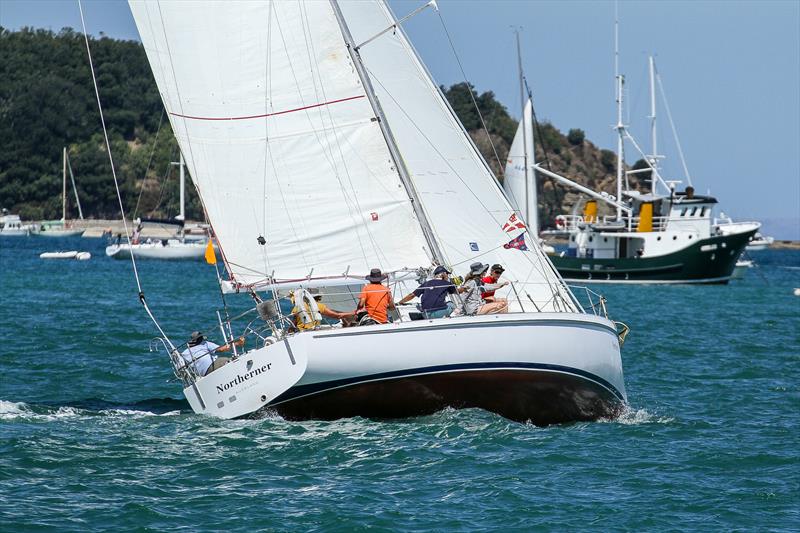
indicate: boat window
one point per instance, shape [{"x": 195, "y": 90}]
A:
[
  {"x": 605, "y": 239},
  {"x": 694, "y": 210},
  {"x": 683, "y": 211},
  {"x": 703, "y": 211},
  {"x": 690, "y": 237},
  {"x": 591, "y": 239},
  {"x": 674, "y": 237},
  {"x": 572, "y": 238},
  {"x": 658, "y": 238}
]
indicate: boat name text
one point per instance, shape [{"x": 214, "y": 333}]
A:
[{"x": 241, "y": 378}]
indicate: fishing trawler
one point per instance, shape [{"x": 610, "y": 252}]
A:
[
  {"x": 321, "y": 148},
  {"x": 663, "y": 236}
]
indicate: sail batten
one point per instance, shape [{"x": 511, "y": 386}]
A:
[{"x": 281, "y": 140}]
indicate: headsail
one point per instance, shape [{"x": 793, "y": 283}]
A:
[
  {"x": 280, "y": 139},
  {"x": 463, "y": 202},
  {"x": 519, "y": 184}
]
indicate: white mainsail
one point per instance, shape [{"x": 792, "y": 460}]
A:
[
  {"x": 519, "y": 183},
  {"x": 280, "y": 138},
  {"x": 462, "y": 200}
]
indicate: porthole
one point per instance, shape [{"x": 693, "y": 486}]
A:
[
  {"x": 674, "y": 237},
  {"x": 591, "y": 239},
  {"x": 605, "y": 239},
  {"x": 690, "y": 237},
  {"x": 658, "y": 238}
]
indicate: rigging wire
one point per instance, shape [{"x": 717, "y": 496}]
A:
[
  {"x": 674, "y": 130},
  {"x": 149, "y": 162},
  {"x": 472, "y": 96},
  {"x": 116, "y": 181}
]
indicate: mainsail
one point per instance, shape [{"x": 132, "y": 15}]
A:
[
  {"x": 282, "y": 143},
  {"x": 462, "y": 200},
  {"x": 519, "y": 183}
]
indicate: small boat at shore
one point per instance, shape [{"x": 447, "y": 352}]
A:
[
  {"x": 63, "y": 227},
  {"x": 11, "y": 225},
  {"x": 73, "y": 254},
  {"x": 184, "y": 246}
]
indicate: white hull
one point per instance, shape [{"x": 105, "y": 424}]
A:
[
  {"x": 14, "y": 232},
  {"x": 174, "y": 250},
  {"x": 60, "y": 233},
  {"x": 560, "y": 367}
]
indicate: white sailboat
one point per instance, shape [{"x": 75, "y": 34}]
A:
[
  {"x": 63, "y": 227},
  {"x": 519, "y": 181},
  {"x": 321, "y": 148},
  {"x": 178, "y": 248}
]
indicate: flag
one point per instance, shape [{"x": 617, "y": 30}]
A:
[
  {"x": 516, "y": 242},
  {"x": 513, "y": 223},
  {"x": 211, "y": 257}
]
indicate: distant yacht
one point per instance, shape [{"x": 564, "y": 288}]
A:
[
  {"x": 177, "y": 248},
  {"x": 12, "y": 226},
  {"x": 63, "y": 227}
]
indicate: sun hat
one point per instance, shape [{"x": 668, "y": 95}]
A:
[
  {"x": 196, "y": 338},
  {"x": 376, "y": 276},
  {"x": 478, "y": 268}
]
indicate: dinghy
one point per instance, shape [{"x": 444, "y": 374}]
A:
[
  {"x": 74, "y": 254},
  {"x": 321, "y": 149}
]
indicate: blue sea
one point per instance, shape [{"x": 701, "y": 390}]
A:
[{"x": 95, "y": 435}]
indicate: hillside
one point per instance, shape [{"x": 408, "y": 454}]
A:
[{"x": 47, "y": 101}]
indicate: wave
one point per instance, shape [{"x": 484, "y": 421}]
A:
[
  {"x": 49, "y": 411},
  {"x": 635, "y": 417}
]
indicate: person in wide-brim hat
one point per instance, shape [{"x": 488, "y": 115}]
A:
[
  {"x": 376, "y": 276},
  {"x": 375, "y": 298},
  {"x": 478, "y": 268}
]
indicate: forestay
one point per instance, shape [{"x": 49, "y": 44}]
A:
[
  {"x": 280, "y": 139},
  {"x": 516, "y": 179},
  {"x": 462, "y": 200}
]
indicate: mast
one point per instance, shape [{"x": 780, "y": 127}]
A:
[
  {"x": 182, "y": 215},
  {"x": 620, "y": 127},
  {"x": 64, "y": 185},
  {"x": 527, "y": 210},
  {"x": 405, "y": 177},
  {"x": 653, "y": 123}
]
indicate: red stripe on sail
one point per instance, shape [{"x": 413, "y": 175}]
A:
[{"x": 270, "y": 114}]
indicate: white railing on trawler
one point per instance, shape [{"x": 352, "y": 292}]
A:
[
  {"x": 569, "y": 223},
  {"x": 266, "y": 323}
]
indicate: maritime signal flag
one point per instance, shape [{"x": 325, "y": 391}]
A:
[
  {"x": 211, "y": 257},
  {"x": 513, "y": 223},
  {"x": 517, "y": 242}
]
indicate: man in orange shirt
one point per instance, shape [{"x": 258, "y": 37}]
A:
[{"x": 375, "y": 297}]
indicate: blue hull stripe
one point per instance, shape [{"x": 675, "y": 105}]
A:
[{"x": 316, "y": 388}]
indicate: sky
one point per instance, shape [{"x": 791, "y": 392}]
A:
[{"x": 730, "y": 69}]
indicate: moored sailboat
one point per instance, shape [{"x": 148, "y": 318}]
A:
[
  {"x": 175, "y": 248},
  {"x": 63, "y": 227},
  {"x": 318, "y": 158}
]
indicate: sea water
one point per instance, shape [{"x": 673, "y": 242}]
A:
[{"x": 95, "y": 435}]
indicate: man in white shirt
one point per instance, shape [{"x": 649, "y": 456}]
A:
[{"x": 201, "y": 354}]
